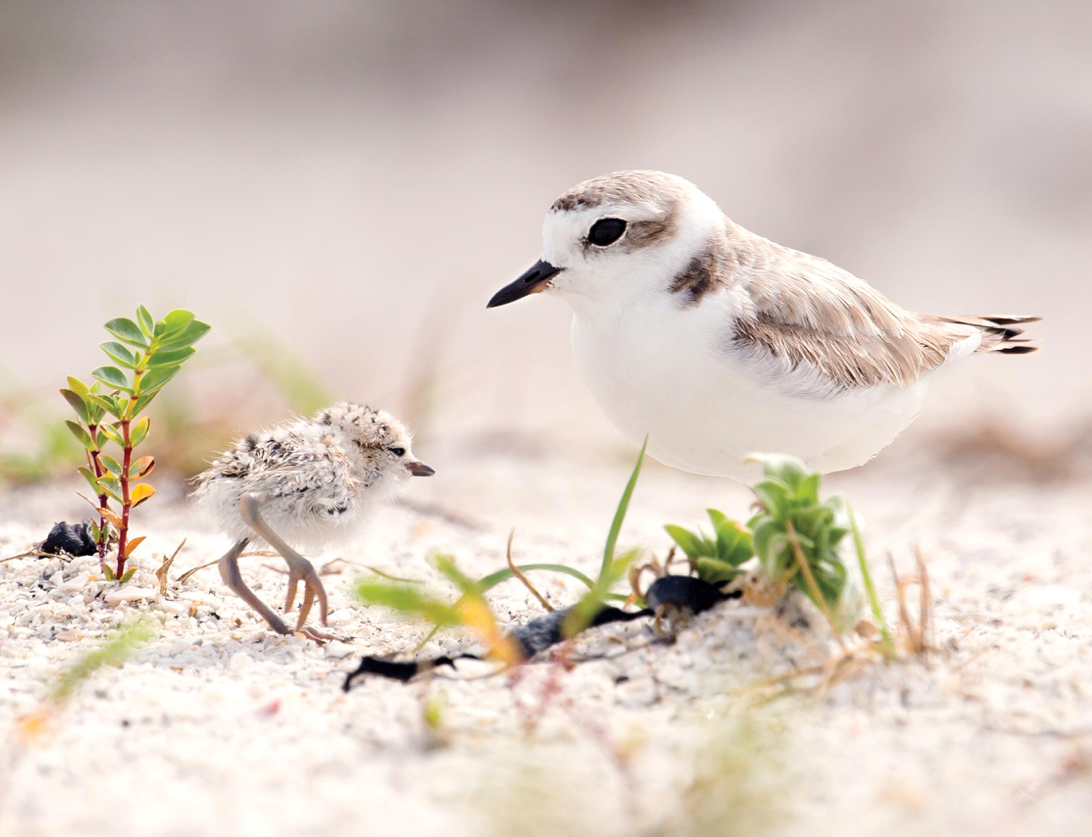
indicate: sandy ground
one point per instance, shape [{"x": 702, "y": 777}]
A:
[
  {"x": 378, "y": 170},
  {"x": 219, "y": 727}
]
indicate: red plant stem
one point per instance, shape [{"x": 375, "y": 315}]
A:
[
  {"x": 127, "y": 459},
  {"x": 123, "y": 530},
  {"x": 96, "y": 466}
]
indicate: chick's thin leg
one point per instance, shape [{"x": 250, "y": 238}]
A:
[
  {"x": 299, "y": 568},
  {"x": 229, "y": 571}
]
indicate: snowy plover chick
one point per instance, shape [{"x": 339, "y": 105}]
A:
[
  {"x": 309, "y": 481},
  {"x": 716, "y": 342}
]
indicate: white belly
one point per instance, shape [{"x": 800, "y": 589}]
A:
[{"x": 672, "y": 374}]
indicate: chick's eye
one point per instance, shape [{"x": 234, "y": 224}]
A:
[
  {"x": 398, "y": 451},
  {"x": 606, "y": 231}
]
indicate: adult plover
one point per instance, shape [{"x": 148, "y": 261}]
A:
[
  {"x": 309, "y": 481},
  {"x": 716, "y": 342}
]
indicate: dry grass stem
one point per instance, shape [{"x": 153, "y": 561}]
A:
[
  {"x": 182, "y": 579},
  {"x": 37, "y": 553},
  {"x": 905, "y": 628},
  {"x": 518, "y": 574},
  {"x": 812, "y": 586},
  {"x": 165, "y": 568},
  {"x": 917, "y": 635},
  {"x": 926, "y": 602}
]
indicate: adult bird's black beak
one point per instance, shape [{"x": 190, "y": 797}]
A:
[
  {"x": 531, "y": 282},
  {"x": 419, "y": 469}
]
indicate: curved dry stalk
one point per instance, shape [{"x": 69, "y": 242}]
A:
[
  {"x": 812, "y": 586},
  {"x": 526, "y": 582},
  {"x": 182, "y": 579}
]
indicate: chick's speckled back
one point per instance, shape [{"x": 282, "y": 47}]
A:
[{"x": 316, "y": 477}]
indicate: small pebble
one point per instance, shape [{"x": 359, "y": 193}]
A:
[
  {"x": 129, "y": 594},
  {"x": 338, "y": 650}
]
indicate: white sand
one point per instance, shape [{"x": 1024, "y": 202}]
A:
[{"x": 220, "y": 727}]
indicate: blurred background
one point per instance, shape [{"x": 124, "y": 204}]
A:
[{"x": 339, "y": 187}]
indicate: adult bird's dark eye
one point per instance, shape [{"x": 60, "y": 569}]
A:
[
  {"x": 606, "y": 231},
  {"x": 398, "y": 451}
]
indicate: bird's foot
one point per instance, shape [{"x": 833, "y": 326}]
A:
[
  {"x": 303, "y": 570},
  {"x": 319, "y": 637}
]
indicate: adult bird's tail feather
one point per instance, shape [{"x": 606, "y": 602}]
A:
[{"x": 999, "y": 333}]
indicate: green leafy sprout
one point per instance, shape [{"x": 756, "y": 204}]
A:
[
  {"x": 716, "y": 559},
  {"x": 148, "y": 353}
]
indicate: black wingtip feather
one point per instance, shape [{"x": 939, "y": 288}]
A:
[{"x": 1011, "y": 320}]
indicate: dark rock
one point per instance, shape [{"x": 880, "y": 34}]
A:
[
  {"x": 70, "y": 538},
  {"x": 685, "y": 591}
]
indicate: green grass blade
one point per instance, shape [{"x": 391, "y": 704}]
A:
[
  {"x": 113, "y": 651},
  {"x": 492, "y": 580},
  {"x": 870, "y": 590},
  {"x": 467, "y": 586},
  {"x": 620, "y": 513},
  {"x": 407, "y": 600},
  {"x": 592, "y": 602}
]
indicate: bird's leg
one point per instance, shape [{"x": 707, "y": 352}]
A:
[
  {"x": 299, "y": 568},
  {"x": 229, "y": 571}
]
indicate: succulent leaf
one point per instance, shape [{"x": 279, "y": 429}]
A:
[{"x": 127, "y": 331}]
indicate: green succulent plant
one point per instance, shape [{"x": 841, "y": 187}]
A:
[
  {"x": 717, "y": 558},
  {"x": 795, "y": 535},
  {"x": 793, "y": 517}
]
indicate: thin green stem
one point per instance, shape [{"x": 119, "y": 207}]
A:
[
  {"x": 886, "y": 642},
  {"x": 425, "y": 641}
]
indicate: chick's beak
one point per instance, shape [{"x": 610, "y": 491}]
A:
[
  {"x": 419, "y": 469},
  {"x": 531, "y": 282}
]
